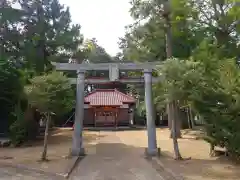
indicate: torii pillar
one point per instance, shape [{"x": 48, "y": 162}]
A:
[
  {"x": 152, "y": 149},
  {"x": 77, "y": 142}
]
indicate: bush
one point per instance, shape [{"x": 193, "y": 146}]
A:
[
  {"x": 222, "y": 120},
  {"x": 18, "y": 130},
  {"x": 11, "y": 83},
  {"x": 212, "y": 87},
  {"x": 217, "y": 100}
]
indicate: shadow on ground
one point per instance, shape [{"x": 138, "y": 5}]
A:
[
  {"x": 59, "y": 144},
  {"x": 127, "y": 128},
  {"x": 62, "y": 135}
]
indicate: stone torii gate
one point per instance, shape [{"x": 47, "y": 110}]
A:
[{"x": 113, "y": 68}]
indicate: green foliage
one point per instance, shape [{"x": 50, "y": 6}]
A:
[
  {"x": 218, "y": 104},
  {"x": 18, "y": 129},
  {"x": 10, "y": 92},
  {"x": 32, "y": 36},
  {"x": 18, "y": 132},
  {"x": 10, "y": 35},
  {"x": 212, "y": 87},
  {"x": 50, "y": 93},
  {"x": 96, "y": 53},
  {"x": 141, "y": 109},
  {"x": 11, "y": 82},
  {"x": 37, "y": 33},
  {"x": 200, "y": 30},
  {"x": 145, "y": 39},
  {"x": 192, "y": 21}
]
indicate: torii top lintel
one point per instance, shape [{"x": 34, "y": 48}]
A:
[{"x": 105, "y": 66}]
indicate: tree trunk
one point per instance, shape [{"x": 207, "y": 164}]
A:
[
  {"x": 169, "y": 113},
  {"x": 211, "y": 153},
  {"x": 172, "y": 106},
  {"x": 178, "y": 124},
  {"x": 191, "y": 118},
  {"x": 174, "y": 132},
  {"x": 173, "y": 110},
  {"x": 44, "y": 153}
]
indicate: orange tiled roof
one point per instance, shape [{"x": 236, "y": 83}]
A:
[{"x": 108, "y": 97}]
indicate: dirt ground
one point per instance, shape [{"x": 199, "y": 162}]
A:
[
  {"x": 200, "y": 167},
  {"x": 59, "y": 145}
]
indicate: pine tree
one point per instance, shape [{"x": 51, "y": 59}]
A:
[{"x": 49, "y": 34}]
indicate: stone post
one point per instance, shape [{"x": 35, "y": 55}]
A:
[
  {"x": 77, "y": 142},
  {"x": 152, "y": 149}
]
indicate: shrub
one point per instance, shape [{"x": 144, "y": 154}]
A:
[{"x": 18, "y": 129}]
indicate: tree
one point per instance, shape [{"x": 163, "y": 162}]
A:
[
  {"x": 48, "y": 34},
  {"x": 202, "y": 34},
  {"x": 96, "y": 53},
  {"x": 145, "y": 39},
  {"x": 170, "y": 92},
  {"x": 218, "y": 105},
  {"x": 215, "y": 98},
  {"x": 211, "y": 87},
  {"x": 220, "y": 19},
  {"x": 10, "y": 92},
  {"x": 148, "y": 41},
  {"x": 172, "y": 108},
  {"x": 10, "y": 35},
  {"x": 50, "y": 93}
]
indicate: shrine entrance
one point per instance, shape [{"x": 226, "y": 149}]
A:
[{"x": 107, "y": 115}]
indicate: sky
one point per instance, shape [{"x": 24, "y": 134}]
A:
[{"x": 101, "y": 19}]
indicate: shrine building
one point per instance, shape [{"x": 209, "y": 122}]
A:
[{"x": 108, "y": 107}]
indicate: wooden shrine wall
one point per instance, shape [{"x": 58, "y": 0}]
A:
[{"x": 122, "y": 118}]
